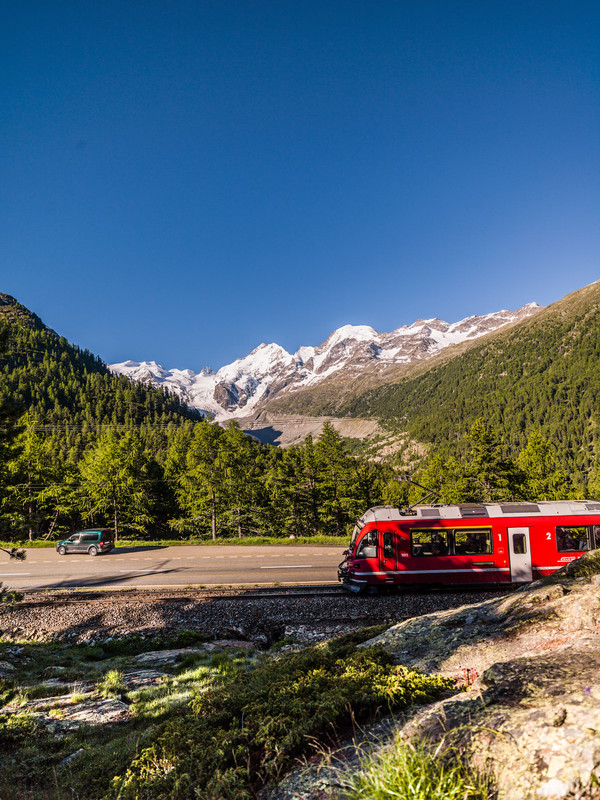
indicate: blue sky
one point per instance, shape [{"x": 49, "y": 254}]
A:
[{"x": 182, "y": 181}]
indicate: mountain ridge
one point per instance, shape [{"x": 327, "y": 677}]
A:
[
  {"x": 541, "y": 374},
  {"x": 269, "y": 371}
]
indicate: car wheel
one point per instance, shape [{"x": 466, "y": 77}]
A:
[
  {"x": 62, "y": 551},
  {"x": 93, "y": 551}
]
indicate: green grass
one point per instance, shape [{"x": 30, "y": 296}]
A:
[
  {"x": 31, "y": 757},
  {"x": 413, "y": 772},
  {"x": 112, "y": 684}
]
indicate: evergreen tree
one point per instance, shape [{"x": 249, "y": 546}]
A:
[
  {"x": 395, "y": 493},
  {"x": 201, "y": 483},
  {"x": 366, "y": 486},
  {"x": 448, "y": 477},
  {"x": 291, "y": 485},
  {"x": 29, "y": 475},
  {"x": 491, "y": 477},
  {"x": 333, "y": 472},
  {"x": 240, "y": 478},
  {"x": 542, "y": 478},
  {"x": 113, "y": 477}
]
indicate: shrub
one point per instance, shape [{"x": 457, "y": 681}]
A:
[
  {"x": 17, "y": 729},
  {"x": 246, "y": 730}
]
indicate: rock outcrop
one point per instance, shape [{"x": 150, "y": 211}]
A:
[{"x": 532, "y": 662}]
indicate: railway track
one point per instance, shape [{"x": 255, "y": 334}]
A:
[
  {"x": 122, "y": 596},
  {"x": 33, "y": 599}
]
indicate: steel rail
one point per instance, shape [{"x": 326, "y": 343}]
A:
[{"x": 32, "y": 599}]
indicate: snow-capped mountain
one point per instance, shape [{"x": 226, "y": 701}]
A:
[{"x": 238, "y": 388}]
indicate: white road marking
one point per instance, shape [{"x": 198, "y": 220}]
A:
[{"x": 291, "y": 566}]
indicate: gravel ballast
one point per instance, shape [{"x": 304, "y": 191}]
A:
[{"x": 261, "y": 620}]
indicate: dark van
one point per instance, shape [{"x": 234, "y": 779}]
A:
[{"x": 91, "y": 542}]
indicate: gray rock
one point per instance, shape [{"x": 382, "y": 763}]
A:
[
  {"x": 72, "y": 757},
  {"x": 534, "y": 714}
]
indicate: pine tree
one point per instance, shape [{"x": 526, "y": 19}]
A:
[
  {"x": 240, "y": 477},
  {"x": 333, "y": 473},
  {"x": 29, "y": 475},
  {"x": 543, "y": 479},
  {"x": 491, "y": 476},
  {"x": 448, "y": 477},
  {"x": 113, "y": 474},
  {"x": 201, "y": 482}
]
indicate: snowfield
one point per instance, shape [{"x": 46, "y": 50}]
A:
[{"x": 237, "y": 388}]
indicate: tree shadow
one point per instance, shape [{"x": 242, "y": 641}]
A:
[{"x": 107, "y": 581}]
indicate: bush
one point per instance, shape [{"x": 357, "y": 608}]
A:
[
  {"x": 247, "y": 729},
  {"x": 18, "y": 729}
]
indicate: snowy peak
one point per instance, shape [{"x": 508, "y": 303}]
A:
[
  {"x": 349, "y": 333},
  {"x": 269, "y": 370}
]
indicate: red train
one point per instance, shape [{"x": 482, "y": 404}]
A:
[{"x": 468, "y": 544}]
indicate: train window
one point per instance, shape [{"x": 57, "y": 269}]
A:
[
  {"x": 595, "y": 537},
  {"x": 473, "y": 541},
  {"x": 573, "y": 538},
  {"x": 429, "y": 543},
  {"x": 388, "y": 544},
  {"x": 519, "y": 541},
  {"x": 368, "y": 546}
]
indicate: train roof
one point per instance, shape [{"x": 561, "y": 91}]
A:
[{"x": 544, "y": 508}]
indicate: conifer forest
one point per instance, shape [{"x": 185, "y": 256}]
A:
[{"x": 81, "y": 447}]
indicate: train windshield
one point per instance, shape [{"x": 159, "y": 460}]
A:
[{"x": 357, "y": 529}]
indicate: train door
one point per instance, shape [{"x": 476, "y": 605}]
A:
[
  {"x": 387, "y": 551},
  {"x": 519, "y": 549}
]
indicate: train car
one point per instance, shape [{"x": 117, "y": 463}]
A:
[{"x": 491, "y": 543}]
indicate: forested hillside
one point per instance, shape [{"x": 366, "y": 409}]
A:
[
  {"x": 61, "y": 384},
  {"x": 543, "y": 374},
  {"x": 80, "y": 446}
]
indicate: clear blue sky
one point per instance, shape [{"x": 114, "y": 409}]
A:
[{"x": 181, "y": 181}]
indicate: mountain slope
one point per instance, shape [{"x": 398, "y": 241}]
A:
[
  {"x": 62, "y": 385},
  {"x": 268, "y": 372},
  {"x": 542, "y": 373}
]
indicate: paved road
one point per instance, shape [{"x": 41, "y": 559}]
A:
[{"x": 174, "y": 567}]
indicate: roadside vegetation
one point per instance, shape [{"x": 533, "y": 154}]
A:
[{"x": 337, "y": 541}]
